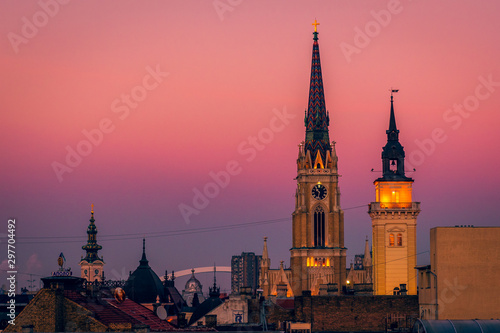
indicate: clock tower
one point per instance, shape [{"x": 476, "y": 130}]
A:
[
  {"x": 92, "y": 265},
  {"x": 318, "y": 255},
  {"x": 394, "y": 221}
]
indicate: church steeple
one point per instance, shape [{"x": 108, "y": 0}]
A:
[
  {"x": 318, "y": 255},
  {"x": 92, "y": 247},
  {"x": 316, "y": 120},
  {"x": 394, "y": 219},
  {"x": 393, "y": 154},
  {"x": 92, "y": 265},
  {"x": 392, "y": 132}
]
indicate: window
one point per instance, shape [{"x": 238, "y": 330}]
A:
[
  {"x": 395, "y": 196},
  {"x": 400, "y": 240},
  {"x": 319, "y": 227},
  {"x": 394, "y": 166},
  {"x": 391, "y": 240}
]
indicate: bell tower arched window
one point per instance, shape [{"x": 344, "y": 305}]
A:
[
  {"x": 319, "y": 227},
  {"x": 391, "y": 240},
  {"x": 400, "y": 240}
]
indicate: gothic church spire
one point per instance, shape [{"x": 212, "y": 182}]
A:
[{"x": 317, "y": 119}]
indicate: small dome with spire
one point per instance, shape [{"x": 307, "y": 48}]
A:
[
  {"x": 193, "y": 285},
  {"x": 193, "y": 293}
]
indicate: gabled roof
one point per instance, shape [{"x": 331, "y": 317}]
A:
[
  {"x": 204, "y": 308},
  {"x": 173, "y": 295}
]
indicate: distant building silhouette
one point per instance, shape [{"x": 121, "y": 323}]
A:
[
  {"x": 245, "y": 270},
  {"x": 193, "y": 291},
  {"x": 360, "y": 273}
]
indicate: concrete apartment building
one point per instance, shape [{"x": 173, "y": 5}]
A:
[{"x": 462, "y": 281}]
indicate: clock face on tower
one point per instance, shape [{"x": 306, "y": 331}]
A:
[{"x": 319, "y": 192}]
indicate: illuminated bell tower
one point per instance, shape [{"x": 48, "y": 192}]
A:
[
  {"x": 394, "y": 220},
  {"x": 92, "y": 265},
  {"x": 318, "y": 252}
]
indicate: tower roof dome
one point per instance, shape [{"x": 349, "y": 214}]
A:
[
  {"x": 144, "y": 285},
  {"x": 193, "y": 285}
]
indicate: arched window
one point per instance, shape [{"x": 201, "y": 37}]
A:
[
  {"x": 319, "y": 227},
  {"x": 400, "y": 240},
  {"x": 391, "y": 240}
]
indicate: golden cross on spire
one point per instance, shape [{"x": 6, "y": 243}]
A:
[
  {"x": 92, "y": 210},
  {"x": 315, "y": 25}
]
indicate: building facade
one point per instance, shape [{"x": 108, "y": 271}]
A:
[
  {"x": 318, "y": 255},
  {"x": 245, "y": 270},
  {"x": 459, "y": 283},
  {"x": 394, "y": 220}
]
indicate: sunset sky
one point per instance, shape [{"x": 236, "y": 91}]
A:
[{"x": 172, "y": 92}]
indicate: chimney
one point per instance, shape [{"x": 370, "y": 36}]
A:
[
  {"x": 59, "y": 325},
  {"x": 402, "y": 289}
]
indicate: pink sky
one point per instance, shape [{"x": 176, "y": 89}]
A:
[{"x": 228, "y": 69}]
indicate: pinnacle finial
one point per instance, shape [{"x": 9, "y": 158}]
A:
[
  {"x": 315, "y": 25},
  {"x": 215, "y": 270},
  {"x": 315, "y": 33},
  {"x": 392, "y": 120},
  {"x": 144, "y": 260},
  {"x": 215, "y": 278},
  {"x": 92, "y": 210}
]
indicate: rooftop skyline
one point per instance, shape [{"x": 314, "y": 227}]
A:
[{"x": 158, "y": 99}]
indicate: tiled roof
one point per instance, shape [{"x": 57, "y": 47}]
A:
[
  {"x": 103, "y": 311},
  {"x": 142, "y": 314},
  {"x": 109, "y": 311}
]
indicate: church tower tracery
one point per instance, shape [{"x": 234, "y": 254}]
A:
[
  {"x": 394, "y": 220},
  {"x": 318, "y": 255},
  {"x": 92, "y": 265}
]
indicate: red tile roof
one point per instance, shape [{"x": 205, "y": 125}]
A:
[
  {"x": 142, "y": 314},
  {"x": 109, "y": 311},
  {"x": 103, "y": 311}
]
